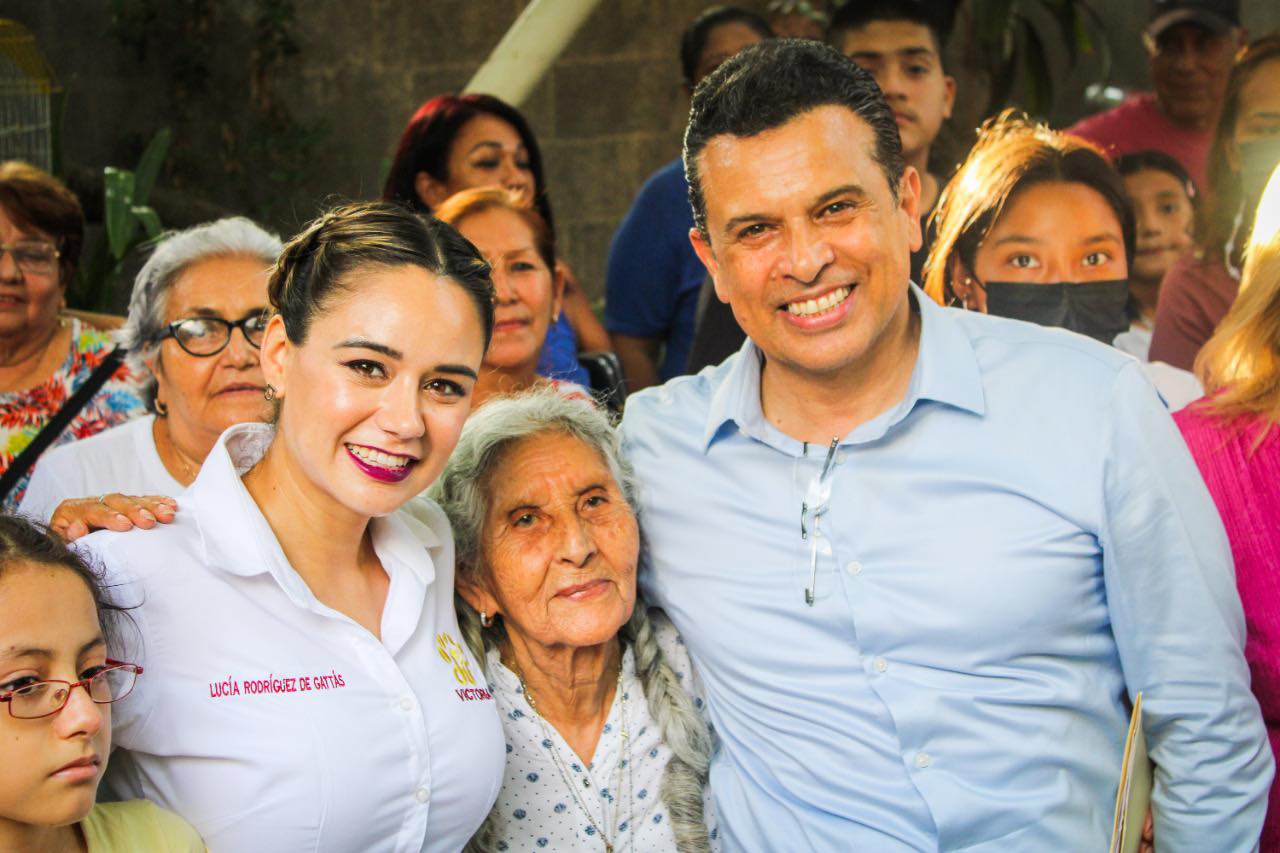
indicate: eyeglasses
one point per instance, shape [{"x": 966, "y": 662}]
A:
[
  {"x": 33, "y": 257},
  {"x": 206, "y": 336},
  {"x": 814, "y": 506},
  {"x": 46, "y": 698}
]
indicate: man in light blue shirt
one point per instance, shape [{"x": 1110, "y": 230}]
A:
[{"x": 922, "y": 558}]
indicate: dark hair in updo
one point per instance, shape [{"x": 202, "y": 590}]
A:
[
  {"x": 21, "y": 541},
  {"x": 314, "y": 266}
]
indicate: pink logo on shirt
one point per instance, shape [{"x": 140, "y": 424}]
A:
[{"x": 273, "y": 685}]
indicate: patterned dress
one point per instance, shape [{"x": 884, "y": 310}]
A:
[
  {"x": 24, "y": 413},
  {"x": 552, "y": 800}
]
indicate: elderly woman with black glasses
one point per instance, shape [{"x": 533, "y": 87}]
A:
[{"x": 201, "y": 376}]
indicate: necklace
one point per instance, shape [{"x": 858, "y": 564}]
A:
[
  {"x": 168, "y": 452},
  {"x": 624, "y": 738}
]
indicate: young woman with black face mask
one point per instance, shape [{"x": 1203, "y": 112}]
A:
[
  {"x": 1036, "y": 226},
  {"x": 1200, "y": 288}
]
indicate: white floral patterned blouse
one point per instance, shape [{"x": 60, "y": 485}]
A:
[{"x": 536, "y": 810}]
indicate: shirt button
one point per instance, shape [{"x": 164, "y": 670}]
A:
[
  {"x": 840, "y": 457},
  {"x": 421, "y": 795},
  {"x": 853, "y": 567},
  {"x": 923, "y": 760},
  {"x": 879, "y": 664},
  {"x": 406, "y": 704}
]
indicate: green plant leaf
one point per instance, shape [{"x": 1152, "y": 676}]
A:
[
  {"x": 1035, "y": 67},
  {"x": 92, "y": 276},
  {"x": 995, "y": 21},
  {"x": 149, "y": 218},
  {"x": 117, "y": 211},
  {"x": 110, "y": 280},
  {"x": 149, "y": 165},
  {"x": 1067, "y": 16},
  {"x": 1080, "y": 36},
  {"x": 1091, "y": 22},
  {"x": 57, "y": 112}
]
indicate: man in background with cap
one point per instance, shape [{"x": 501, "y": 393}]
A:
[{"x": 1190, "y": 45}]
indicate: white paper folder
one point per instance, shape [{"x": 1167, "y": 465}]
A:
[{"x": 1133, "y": 795}]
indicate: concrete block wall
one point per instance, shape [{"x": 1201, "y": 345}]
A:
[
  {"x": 611, "y": 113},
  {"x": 608, "y": 114}
]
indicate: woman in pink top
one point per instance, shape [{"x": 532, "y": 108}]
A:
[{"x": 1234, "y": 435}]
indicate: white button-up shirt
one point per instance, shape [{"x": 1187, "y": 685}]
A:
[{"x": 271, "y": 721}]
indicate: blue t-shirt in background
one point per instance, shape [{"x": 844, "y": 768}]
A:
[
  {"x": 559, "y": 358},
  {"x": 651, "y": 288}
]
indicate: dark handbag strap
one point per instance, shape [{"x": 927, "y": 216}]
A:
[{"x": 23, "y": 461}]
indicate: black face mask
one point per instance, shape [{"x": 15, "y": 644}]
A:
[
  {"x": 1096, "y": 309},
  {"x": 1258, "y": 158}
]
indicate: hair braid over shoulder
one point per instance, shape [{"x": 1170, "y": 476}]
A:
[{"x": 683, "y": 730}]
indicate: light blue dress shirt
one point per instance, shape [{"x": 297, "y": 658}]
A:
[{"x": 1015, "y": 549}]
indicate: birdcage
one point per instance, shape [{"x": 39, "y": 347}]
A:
[{"x": 27, "y": 87}]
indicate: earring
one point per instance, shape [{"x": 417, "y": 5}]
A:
[
  {"x": 269, "y": 393},
  {"x": 486, "y": 621},
  {"x": 161, "y": 409}
]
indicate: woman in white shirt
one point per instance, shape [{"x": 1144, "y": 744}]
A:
[
  {"x": 196, "y": 289},
  {"x": 307, "y": 687},
  {"x": 606, "y": 749}
]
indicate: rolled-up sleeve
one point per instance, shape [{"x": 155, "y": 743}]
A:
[{"x": 1180, "y": 631}]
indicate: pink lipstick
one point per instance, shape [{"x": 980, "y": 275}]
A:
[{"x": 381, "y": 473}]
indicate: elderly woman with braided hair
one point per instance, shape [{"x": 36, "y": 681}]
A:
[{"x": 606, "y": 748}]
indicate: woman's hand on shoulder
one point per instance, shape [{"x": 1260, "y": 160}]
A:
[{"x": 78, "y": 517}]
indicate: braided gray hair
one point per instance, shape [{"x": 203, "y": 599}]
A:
[
  {"x": 175, "y": 251},
  {"x": 461, "y": 492}
]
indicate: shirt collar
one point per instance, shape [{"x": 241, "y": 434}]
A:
[
  {"x": 737, "y": 398},
  {"x": 221, "y": 504},
  {"x": 405, "y": 534},
  {"x": 236, "y": 538},
  {"x": 946, "y": 371}
]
